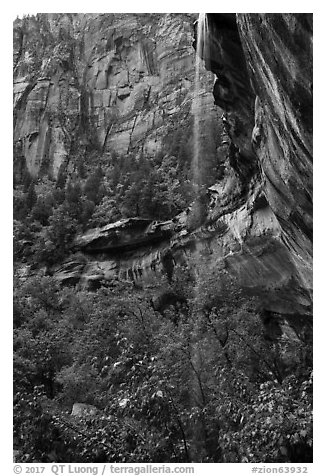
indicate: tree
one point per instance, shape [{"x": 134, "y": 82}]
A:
[
  {"x": 92, "y": 187},
  {"x": 275, "y": 426},
  {"x": 105, "y": 212},
  {"x": 31, "y": 197},
  {"x": 197, "y": 381}
]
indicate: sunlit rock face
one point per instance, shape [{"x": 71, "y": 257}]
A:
[{"x": 104, "y": 82}]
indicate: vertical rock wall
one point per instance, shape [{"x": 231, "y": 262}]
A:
[
  {"x": 102, "y": 82},
  {"x": 263, "y": 69},
  {"x": 278, "y": 50},
  {"x": 122, "y": 83}
]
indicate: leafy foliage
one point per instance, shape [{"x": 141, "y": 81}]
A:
[
  {"x": 197, "y": 381},
  {"x": 190, "y": 375},
  {"x": 48, "y": 214}
]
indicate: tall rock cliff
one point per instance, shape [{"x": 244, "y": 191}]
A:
[
  {"x": 271, "y": 96},
  {"x": 263, "y": 69},
  {"x": 108, "y": 84}
]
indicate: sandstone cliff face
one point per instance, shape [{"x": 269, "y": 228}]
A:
[
  {"x": 263, "y": 68},
  {"x": 112, "y": 82},
  {"x": 126, "y": 83},
  {"x": 283, "y": 117}
]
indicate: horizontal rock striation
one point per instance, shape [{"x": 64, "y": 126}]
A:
[
  {"x": 242, "y": 236},
  {"x": 126, "y": 82}
]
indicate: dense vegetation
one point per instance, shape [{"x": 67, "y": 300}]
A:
[
  {"x": 190, "y": 375},
  {"x": 193, "y": 378},
  {"x": 184, "y": 370},
  {"x": 48, "y": 214}
]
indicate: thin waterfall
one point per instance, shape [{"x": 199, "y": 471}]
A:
[
  {"x": 198, "y": 429},
  {"x": 201, "y": 49}
]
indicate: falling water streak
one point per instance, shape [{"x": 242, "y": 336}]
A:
[
  {"x": 197, "y": 102},
  {"x": 198, "y": 448}
]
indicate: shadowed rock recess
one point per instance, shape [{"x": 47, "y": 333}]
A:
[
  {"x": 263, "y": 68},
  {"x": 122, "y": 82}
]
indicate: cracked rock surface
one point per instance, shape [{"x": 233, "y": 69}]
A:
[{"x": 124, "y": 82}]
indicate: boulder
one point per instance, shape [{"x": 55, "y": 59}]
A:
[{"x": 83, "y": 409}]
